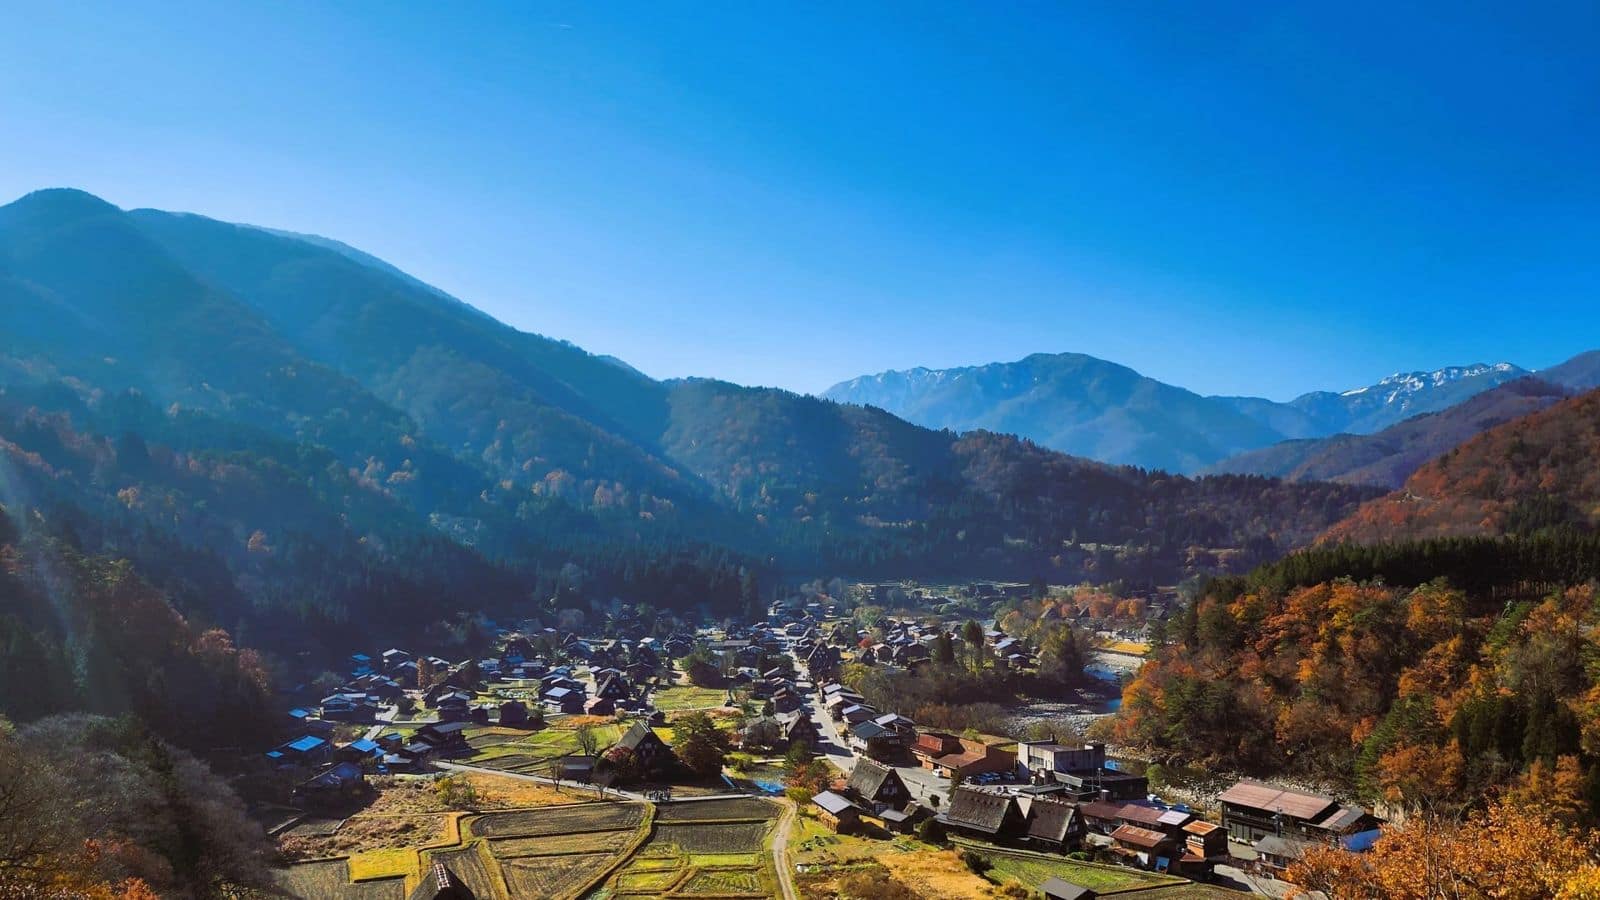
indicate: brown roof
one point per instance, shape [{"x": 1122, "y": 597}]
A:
[
  {"x": 1143, "y": 815},
  {"x": 1266, "y": 797},
  {"x": 1143, "y": 838},
  {"x": 1100, "y": 809},
  {"x": 1050, "y": 820},
  {"x": 978, "y": 810},
  {"x": 1201, "y": 827},
  {"x": 958, "y": 760},
  {"x": 868, "y": 778}
]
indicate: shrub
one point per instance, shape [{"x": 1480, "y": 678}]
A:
[
  {"x": 875, "y": 886},
  {"x": 977, "y": 863},
  {"x": 456, "y": 792},
  {"x": 799, "y": 795},
  {"x": 929, "y": 831}
]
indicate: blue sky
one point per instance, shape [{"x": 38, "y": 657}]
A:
[{"x": 1259, "y": 198}]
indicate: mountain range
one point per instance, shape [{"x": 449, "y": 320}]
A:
[
  {"x": 1086, "y": 406},
  {"x": 302, "y": 443}
]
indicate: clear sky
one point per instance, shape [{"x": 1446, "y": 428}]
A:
[{"x": 1259, "y": 198}]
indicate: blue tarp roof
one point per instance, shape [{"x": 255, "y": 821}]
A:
[
  {"x": 1361, "y": 841},
  {"x": 307, "y": 743},
  {"x": 363, "y": 746}
]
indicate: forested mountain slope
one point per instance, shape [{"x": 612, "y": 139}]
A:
[
  {"x": 295, "y": 439},
  {"x": 1385, "y": 459},
  {"x": 1529, "y": 474}
]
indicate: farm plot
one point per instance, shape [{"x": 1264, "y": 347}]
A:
[
  {"x": 718, "y": 837},
  {"x": 703, "y": 810},
  {"x": 724, "y": 883},
  {"x": 470, "y": 866},
  {"x": 686, "y": 696},
  {"x": 555, "y": 820},
  {"x": 330, "y": 879},
  {"x": 559, "y": 844},
  {"x": 648, "y": 881},
  {"x": 712, "y": 848},
  {"x": 559, "y": 738},
  {"x": 552, "y": 876}
]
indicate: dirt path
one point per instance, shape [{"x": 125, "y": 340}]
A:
[{"x": 780, "y": 850}]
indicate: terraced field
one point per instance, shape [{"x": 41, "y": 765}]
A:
[
  {"x": 555, "y": 820},
  {"x": 713, "y": 848},
  {"x": 738, "y": 808},
  {"x": 330, "y": 878},
  {"x": 544, "y": 852},
  {"x": 552, "y": 876},
  {"x": 714, "y": 837},
  {"x": 559, "y": 844}
]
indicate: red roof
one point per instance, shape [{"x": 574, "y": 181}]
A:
[{"x": 1143, "y": 838}]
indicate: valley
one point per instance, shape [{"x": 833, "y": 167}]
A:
[{"x": 441, "y": 606}]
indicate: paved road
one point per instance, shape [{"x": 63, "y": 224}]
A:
[{"x": 833, "y": 745}]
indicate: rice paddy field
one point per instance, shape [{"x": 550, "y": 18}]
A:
[
  {"x": 546, "y": 852},
  {"x": 711, "y": 848}
]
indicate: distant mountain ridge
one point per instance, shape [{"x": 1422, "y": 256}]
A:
[{"x": 1086, "y": 406}]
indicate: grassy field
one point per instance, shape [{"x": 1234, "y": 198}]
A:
[
  {"x": 1033, "y": 870},
  {"x": 527, "y": 752},
  {"x": 687, "y": 696}
]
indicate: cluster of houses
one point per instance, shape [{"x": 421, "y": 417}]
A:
[
  {"x": 1074, "y": 801},
  {"x": 1044, "y": 794},
  {"x": 623, "y": 671}
]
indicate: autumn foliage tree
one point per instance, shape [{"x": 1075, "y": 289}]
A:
[{"x": 1505, "y": 852}]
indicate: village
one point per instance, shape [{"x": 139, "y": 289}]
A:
[{"x": 735, "y": 760}]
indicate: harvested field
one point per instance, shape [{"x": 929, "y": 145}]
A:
[
  {"x": 551, "y": 876},
  {"x": 556, "y": 844},
  {"x": 314, "y": 879},
  {"x": 738, "y": 808},
  {"x": 687, "y": 696},
  {"x": 314, "y": 827},
  {"x": 328, "y": 880},
  {"x": 557, "y": 820},
  {"x": 742, "y": 837},
  {"x": 365, "y": 833},
  {"x": 724, "y": 882},
  {"x": 470, "y": 867}
]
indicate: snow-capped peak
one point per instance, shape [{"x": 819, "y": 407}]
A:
[{"x": 1400, "y": 386}]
